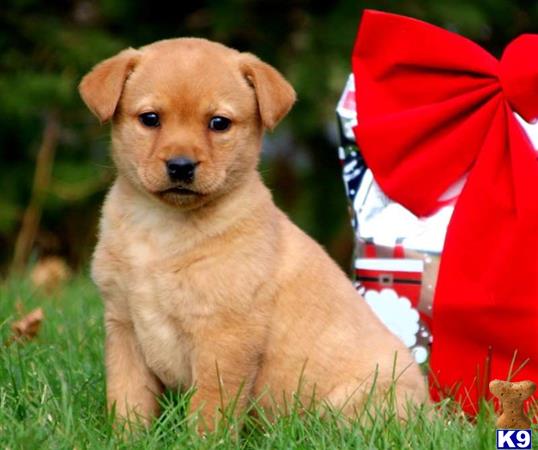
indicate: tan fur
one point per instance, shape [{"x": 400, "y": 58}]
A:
[{"x": 221, "y": 281}]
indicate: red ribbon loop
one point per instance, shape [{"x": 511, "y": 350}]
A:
[
  {"x": 518, "y": 73},
  {"x": 432, "y": 108}
]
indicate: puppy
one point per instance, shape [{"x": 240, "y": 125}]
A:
[{"x": 206, "y": 283}]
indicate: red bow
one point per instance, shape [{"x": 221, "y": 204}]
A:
[{"x": 432, "y": 108}]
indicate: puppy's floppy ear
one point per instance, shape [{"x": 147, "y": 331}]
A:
[
  {"x": 101, "y": 88},
  {"x": 274, "y": 94}
]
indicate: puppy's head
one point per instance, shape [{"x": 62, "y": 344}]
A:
[{"x": 188, "y": 115}]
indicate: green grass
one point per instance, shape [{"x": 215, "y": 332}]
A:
[{"x": 52, "y": 396}]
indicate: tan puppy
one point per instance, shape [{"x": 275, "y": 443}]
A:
[{"x": 200, "y": 272}]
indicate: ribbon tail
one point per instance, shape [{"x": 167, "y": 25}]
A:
[{"x": 484, "y": 258}]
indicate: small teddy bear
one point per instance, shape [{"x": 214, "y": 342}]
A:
[{"x": 512, "y": 396}]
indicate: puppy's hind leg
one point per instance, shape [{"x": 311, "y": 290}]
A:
[
  {"x": 132, "y": 389},
  {"x": 397, "y": 393},
  {"x": 224, "y": 372}
]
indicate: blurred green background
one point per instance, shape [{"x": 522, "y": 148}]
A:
[{"x": 47, "y": 46}]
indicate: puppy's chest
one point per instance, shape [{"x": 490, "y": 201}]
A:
[
  {"x": 172, "y": 284},
  {"x": 164, "y": 302},
  {"x": 171, "y": 292},
  {"x": 168, "y": 294},
  {"x": 165, "y": 344}
]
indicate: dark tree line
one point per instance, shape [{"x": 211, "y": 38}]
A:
[{"x": 46, "y": 46}]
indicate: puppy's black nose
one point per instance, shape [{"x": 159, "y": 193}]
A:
[{"x": 181, "y": 169}]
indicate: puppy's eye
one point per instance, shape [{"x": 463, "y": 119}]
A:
[
  {"x": 149, "y": 119},
  {"x": 219, "y": 123}
]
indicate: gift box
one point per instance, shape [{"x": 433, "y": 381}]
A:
[
  {"x": 396, "y": 265},
  {"x": 441, "y": 189}
]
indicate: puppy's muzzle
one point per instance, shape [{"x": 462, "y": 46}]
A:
[{"x": 181, "y": 169}]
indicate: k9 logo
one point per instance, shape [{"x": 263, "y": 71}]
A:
[{"x": 514, "y": 439}]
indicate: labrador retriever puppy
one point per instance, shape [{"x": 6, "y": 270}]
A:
[{"x": 206, "y": 283}]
